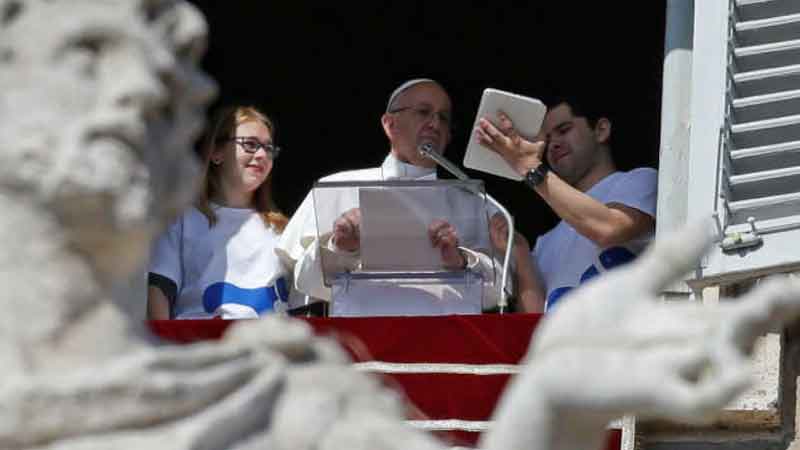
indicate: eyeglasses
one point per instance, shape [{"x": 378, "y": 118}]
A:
[
  {"x": 252, "y": 145},
  {"x": 425, "y": 114}
]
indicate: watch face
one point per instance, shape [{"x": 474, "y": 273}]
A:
[{"x": 534, "y": 177}]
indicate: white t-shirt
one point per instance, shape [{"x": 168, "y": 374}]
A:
[
  {"x": 566, "y": 259},
  {"x": 230, "y": 270}
]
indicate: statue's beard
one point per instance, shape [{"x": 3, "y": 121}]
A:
[
  {"x": 111, "y": 180},
  {"x": 114, "y": 248}
]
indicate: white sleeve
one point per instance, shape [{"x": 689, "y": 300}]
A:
[
  {"x": 309, "y": 272},
  {"x": 298, "y": 233},
  {"x": 302, "y": 252},
  {"x": 637, "y": 189},
  {"x": 165, "y": 257},
  {"x": 491, "y": 270},
  {"x": 296, "y": 298}
]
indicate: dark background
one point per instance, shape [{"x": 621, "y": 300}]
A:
[{"x": 324, "y": 74}]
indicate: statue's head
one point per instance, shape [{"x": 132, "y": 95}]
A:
[{"x": 101, "y": 102}]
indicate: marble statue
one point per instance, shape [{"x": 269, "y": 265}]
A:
[
  {"x": 101, "y": 101},
  {"x": 614, "y": 348}
]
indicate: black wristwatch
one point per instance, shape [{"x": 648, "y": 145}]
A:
[{"x": 534, "y": 177}]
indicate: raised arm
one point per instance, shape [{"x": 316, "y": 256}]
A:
[{"x": 605, "y": 224}]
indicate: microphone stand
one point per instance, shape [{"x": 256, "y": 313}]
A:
[{"x": 427, "y": 150}]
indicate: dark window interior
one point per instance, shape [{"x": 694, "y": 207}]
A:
[{"x": 324, "y": 74}]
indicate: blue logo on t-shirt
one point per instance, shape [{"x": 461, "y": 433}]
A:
[
  {"x": 609, "y": 258},
  {"x": 261, "y": 299}
]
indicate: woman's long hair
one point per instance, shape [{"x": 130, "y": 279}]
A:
[{"x": 223, "y": 128}]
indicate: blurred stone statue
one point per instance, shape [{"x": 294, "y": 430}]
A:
[
  {"x": 614, "y": 348},
  {"x": 101, "y": 100}
]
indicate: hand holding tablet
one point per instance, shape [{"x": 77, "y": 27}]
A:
[{"x": 527, "y": 115}]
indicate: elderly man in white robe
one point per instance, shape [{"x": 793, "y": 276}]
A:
[{"x": 418, "y": 112}]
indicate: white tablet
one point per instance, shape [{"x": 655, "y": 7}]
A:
[{"x": 527, "y": 114}]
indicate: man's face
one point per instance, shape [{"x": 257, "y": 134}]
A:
[
  {"x": 422, "y": 114},
  {"x": 574, "y": 145},
  {"x": 102, "y": 102}
]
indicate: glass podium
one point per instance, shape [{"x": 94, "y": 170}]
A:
[{"x": 396, "y": 270}]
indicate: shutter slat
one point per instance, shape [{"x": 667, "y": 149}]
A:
[
  {"x": 773, "y": 200},
  {"x": 767, "y": 106},
  {"x": 767, "y": 74},
  {"x": 765, "y": 208},
  {"x": 766, "y": 132},
  {"x": 765, "y": 150},
  {"x": 766, "y": 31},
  {"x": 766, "y": 124},
  {"x": 766, "y": 56},
  {"x": 772, "y": 47},
  {"x": 766, "y": 157},
  {"x": 749, "y": 10},
  {"x": 765, "y": 183},
  {"x": 760, "y": 82},
  {"x": 769, "y": 22},
  {"x": 765, "y": 175}
]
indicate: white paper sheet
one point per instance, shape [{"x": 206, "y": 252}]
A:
[{"x": 394, "y": 229}]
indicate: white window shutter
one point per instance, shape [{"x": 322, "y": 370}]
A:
[{"x": 745, "y": 135}]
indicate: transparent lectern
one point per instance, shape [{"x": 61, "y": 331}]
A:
[{"x": 396, "y": 270}]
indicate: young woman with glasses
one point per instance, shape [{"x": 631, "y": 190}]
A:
[{"x": 218, "y": 259}]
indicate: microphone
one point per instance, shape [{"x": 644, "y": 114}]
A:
[{"x": 428, "y": 150}]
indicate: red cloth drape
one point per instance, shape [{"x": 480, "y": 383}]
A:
[{"x": 462, "y": 339}]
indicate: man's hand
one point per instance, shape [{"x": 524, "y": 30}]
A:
[
  {"x": 530, "y": 290},
  {"x": 347, "y": 230},
  {"x": 444, "y": 237},
  {"x": 498, "y": 232},
  {"x": 522, "y": 155}
]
